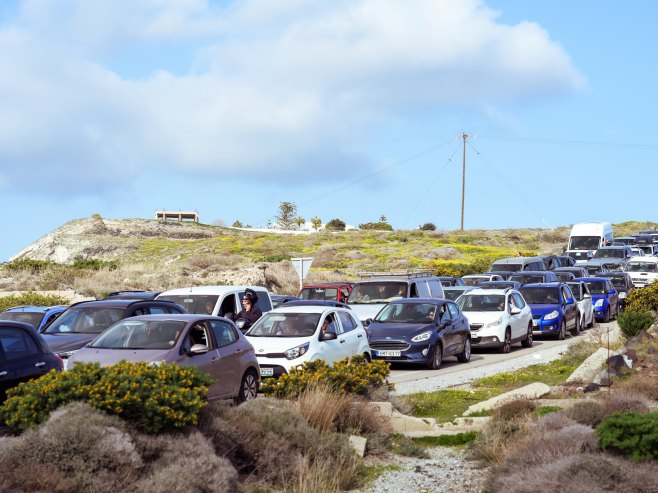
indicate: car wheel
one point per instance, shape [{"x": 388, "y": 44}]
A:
[
  {"x": 576, "y": 329},
  {"x": 248, "y": 388},
  {"x": 607, "y": 315},
  {"x": 367, "y": 357},
  {"x": 507, "y": 343},
  {"x": 563, "y": 331},
  {"x": 591, "y": 322},
  {"x": 527, "y": 342},
  {"x": 437, "y": 357},
  {"x": 465, "y": 355}
]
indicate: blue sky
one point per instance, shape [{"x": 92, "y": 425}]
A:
[{"x": 352, "y": 109}]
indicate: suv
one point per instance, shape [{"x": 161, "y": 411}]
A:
[
  {"x": 37, "y": 316},
  {"x": 338, "y": 291},
  {"x": 224, "y": 301},
  {"x": 612, "y": 257},
  {"x": 604, "y": 297},
  {"x": 369, "y": 295},
  {"x": 517, "y": 264},
  {"x": 498, "y": 318},
  {"x": 643, "y": 270},
  {"x": 554, "y": 308},
  {"x": 83, "y": 321}
]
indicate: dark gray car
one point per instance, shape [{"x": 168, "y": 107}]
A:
[{"x": 212, "y": 344}]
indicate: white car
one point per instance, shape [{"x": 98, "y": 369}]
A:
[
  {"x": 293, "y": 334},
  {"x": 583, "y": 297},
  {"x": 498, "y": 318},
  {"x": 643, "y": 270}
]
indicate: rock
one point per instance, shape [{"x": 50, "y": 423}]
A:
[
  {"x": 590, "y": 367},
  {"x": 532, "y": 391},
  {"x": 632, "y": 355},
  {"x": 592, "y": 387},
  {"x": 358, "y": 444},
  {"x": 603, "y": 378},
  {"x": 618, "y": 363}
]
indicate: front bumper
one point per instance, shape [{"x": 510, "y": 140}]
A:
[
  {"x": 547, "y": 327},
  {"x": 402, "y": 351},
  {"x": 600, "y": 311}
]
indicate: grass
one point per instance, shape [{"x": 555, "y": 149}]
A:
[
  {"x": 456, "y": 440},
  {"x": 369, "y": 473}
]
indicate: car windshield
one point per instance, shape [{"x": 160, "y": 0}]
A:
[
  {"x": 596, "y": 287},
  {"x": 541, "y": 296},
  {"x": 319, "y": 294},
  {"x": 564, "y": 276},
  {"x": 482, "y": 303},
  {"x": 285, "y": 325},
  {"x": 609, "y": 253},
  {"x": 527, "y": 279},
  {"x": 85, "y": 319},
  {"x": 452, "y": 294},
  {"x": 407, "y": 313},
  {"x": 194, "y": 303},
  {"x": 642, "y": 267},
  {"x": 505, "y": 267},
  {"x": 575, "y": 289},
  {"x": 584, "y": 242},
  {"x": 140, "y": 334},
  {"x": 593, "y": 269},
  {"x": 32, "y": 318},
  {"x": 618, "y": 281},
  {"x": 377, "y": 292},
  {"x": 577, "y": 255}
]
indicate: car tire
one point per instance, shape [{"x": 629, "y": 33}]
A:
[
  {"x": 367, "y": 357},
  {"x": 527, "y": 342},
  {"x": 607, "y": 316},
  {"x": 248, "y": 387},
  {"x": 507, "y": 343},
  {"x": 563, "y": 331},
  {"x": 465, "y": 355},
  {"x": 591, "y": 322},
  {"x": 576, "y": 329},
  {"x": 437, "y": 357}
]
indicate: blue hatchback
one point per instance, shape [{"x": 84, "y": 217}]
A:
[
  {"x": 554, "y": 308},
  {"x": 605, "y": 297},
  {"x": 37, "y": 316}
]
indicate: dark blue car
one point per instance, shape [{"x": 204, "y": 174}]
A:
[
  {"x": 554, "y": 309},
  {"x": 605, "y": 297},
  {"x": 421, "y": 331}
]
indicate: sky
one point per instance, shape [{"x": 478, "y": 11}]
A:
[{"x": 350, "y": 109}]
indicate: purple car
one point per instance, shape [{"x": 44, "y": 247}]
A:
[{"x": 212, "y": 344}]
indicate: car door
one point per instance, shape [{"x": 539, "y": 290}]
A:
[
  {"x": 356, "y": 337},
  {"x": 613, "y": 297},
  {"x": 516, "y": 319},
  {"x": 447, "y": 331},
  {"x": 231, "y": 353},
  {"x": 209, "y": 362},
  {"x": 570, "y": 309},
  {"x": 332, "y": 350},
  {"x": 460, "y": 329},
  {"x": 22, "y": 359},
  {"x": 525, "y": 317}
]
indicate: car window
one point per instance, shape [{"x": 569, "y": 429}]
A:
[
  {"x": 413, "y": 313},
  {"x": 436, "y": 291},
  {"x": 519, "y": 302},
  {"x": 198, "y": 334},
  {"x": 32, "y": 318},
  {"x": 423, "y": 289},
  {"x": 288, "y": 324},
  {"x": 17, "y": 343},
  {"x": 454, "y": 311},
  {"x": 263, "y": 301},
  {"x": 223, "y": 333},
  {"x": 193, "y": 303},
  {"x": 346, "y": 321},
  {"x": 85, "y": 319}
]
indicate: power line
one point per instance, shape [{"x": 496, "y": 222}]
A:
[{"x": 572, "y": 142}]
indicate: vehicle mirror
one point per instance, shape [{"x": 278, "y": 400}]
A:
[
  {"x": 515, "y": 311},
  {"x": 199, "y": 349},
  {"x": 587, "y": 295},
  {"x": 570, "y": 301},
  {"x": 612, "y": 291},
  {"x": 367, "y": 322},
  {"x": 240, "y": 324},
  {"x": 329, "y": 336}
]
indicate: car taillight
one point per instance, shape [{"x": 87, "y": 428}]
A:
[{"x": 60, "y": 361}]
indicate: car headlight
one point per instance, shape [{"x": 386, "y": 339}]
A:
[
  {"x": 622, "y": 295},
  {"x": 494, "y": 323},
  {"x": 552, "y": 315},
  {"x": 599, "y": 303},
  {"x": 422, "y": 337},
  {"x": 296, "y": 352}
]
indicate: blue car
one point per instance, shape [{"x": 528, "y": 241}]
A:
[
  {"x": 420, "y": 330},
  {"x": 37, "y": 316},
  {"x": 554, "y": 308},
  {"x": 605, "y": 297}
]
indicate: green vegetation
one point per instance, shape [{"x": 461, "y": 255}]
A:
[
  {"x": 544, "y": 410},
  {"x": 643, "y": 299},
  {"x": 95, "y": 264},
  {"x": 631, "y": 322},
  {"x": 33, "y": 299},
  {"x": 447, "y": 440},
  {"x": 632, "y": 434}
]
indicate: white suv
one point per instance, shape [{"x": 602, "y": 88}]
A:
[
  {"x": 643, "y": 270},
  {"x": 498, "y": 318},
  {"x": 293, "y": 334}
]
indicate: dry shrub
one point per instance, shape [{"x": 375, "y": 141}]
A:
[
  {"x": 325, "y": 256},
  {"x": 78, "y": 446},
  {"x": 321, "y": 406},
  {"x": 642, "y": 384},
  {"x": 624, "y": 402},
  {"x": 553, "y": 421},
  {"x": 589, "y": 413},
  {"x": 281, "y": 278},
  {"x": 213, "y": 262},
  {"x": 362, "y": 418},
  {"x": 594, "y": 473},
  {"x": 266, "y": 439},
  {"x": 185, "y": 463},
  {"x": 513, "y": 410}
]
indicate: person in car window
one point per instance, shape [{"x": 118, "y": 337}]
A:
[
  {"x": 250, "y": 312},
  {"x": 328, "y": 325}
]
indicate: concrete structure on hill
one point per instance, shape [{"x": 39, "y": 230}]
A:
[{"x": 177, "y": 216}]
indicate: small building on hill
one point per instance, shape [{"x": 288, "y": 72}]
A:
[{"x": 177, "y": 216}]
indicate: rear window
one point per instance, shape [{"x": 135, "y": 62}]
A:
[
  {"x": 32, "y": 318},
  {"x": 319, "y": 294},
  {"x": 193, "y": 303},
  {"x": 504, "y": 267}
]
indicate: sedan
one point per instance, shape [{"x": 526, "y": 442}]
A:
[
  {"x": 23, "y": 355},
  {"x": 420, "y": 330},
  {"x": 212, "y": 344}
]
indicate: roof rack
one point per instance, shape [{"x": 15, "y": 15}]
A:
[{"x": 406, "y": 273}]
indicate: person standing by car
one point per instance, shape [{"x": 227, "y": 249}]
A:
[{"x": 250, "y": 312}]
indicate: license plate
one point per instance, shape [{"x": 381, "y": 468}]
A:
[
  {"x": 534, "y": 323},
  {"x": 388, "y": 353},
  {"x": 267, "y": 372}
]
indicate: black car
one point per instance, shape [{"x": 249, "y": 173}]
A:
[
  {"x": 421, "y": 331},
  {"x": 83, "y": 321},
  {"x": 279, "y": 299},
  {"x": 566, "y": 261},
  {"x": 576, "y": 270},
  {"x": 623, "y": 284},
  {"x": 23, "y": 355},
  {"x": 533, "y": 276},
  {"x": 451, "y": 281},
  {"x": 564, "y": 276}
]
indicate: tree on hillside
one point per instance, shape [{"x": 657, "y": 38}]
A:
[
  {"x": 335, "y": 225},
  {"x": 382, "y": 219},
  {"x": 285, "y": 219},
  {"x": 428, "y": 227},
  {"x": 237, "y": 224},
  {"x": 316, "y": 222},
  {"x": 300, "y": 221}
]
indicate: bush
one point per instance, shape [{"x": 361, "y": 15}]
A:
[
  {"x": 335, "y": 225},
  {"x": 645, "y": 298},
  {"x": 428, "y": 227},
  {"x": 379, "y": 226},
  {"x": 31, "y": 265},
  {"x": 95, "y": 264},
  {"x": 152, "y": 397},
  {"x": 632, "y": 434},
  {"x": 31, "y": 298},
  {"x": 350, "y": 376},
  {"x": 589, "y": 413},
  {"x": 631, "y": 322}
]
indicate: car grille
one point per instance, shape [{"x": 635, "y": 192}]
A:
[
  {"x": 271, "y": 355},
  {"x": 476, "y": 326},
  {"x": 390, "y": 345}
]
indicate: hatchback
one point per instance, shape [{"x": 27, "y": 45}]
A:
[
  {"x": 24, "y": 355},
  {"x": 420, "y": 330},
  {"x": 554, "y": 309},
  {"x": 37, "y": 316},
  {"x": 604, "y": 296},
  {"x": 213, "y": 344}
]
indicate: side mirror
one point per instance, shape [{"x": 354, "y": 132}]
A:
[
  {"x": 612, "y": 291},
  {"x": 241, "y": 324},
  {"x": 515, "y": 311},
  {"x": 570, "y": 301},
  {"x": 329, "y": 336},
  {"x": 367, "y": 322},
  {"x": 199, "y": 349},
  {"x": 587, "y": 295}
]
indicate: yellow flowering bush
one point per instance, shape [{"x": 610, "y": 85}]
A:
[
  {"x": 153, "y": 397},
  {"x": 353, "y": 375}
]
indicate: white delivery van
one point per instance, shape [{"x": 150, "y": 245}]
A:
[{"x": 587, "y": 238}]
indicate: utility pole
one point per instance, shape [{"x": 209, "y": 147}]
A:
[{"x": 464, "y": 137}]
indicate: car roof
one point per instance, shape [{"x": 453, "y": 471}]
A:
[
  {"x": 417, "y": 301},
  {"x": 185, "y": 317},
  {"x": 594, "y": 278},
  {"x": 552, "y": 284},
  {"x": 529, "y": 272},
  {"x": 218, "y": 290},
  {"x": 488, "y": 291},
  {"x": 645, "y": 258},
  {"x": 34, "y": 308},
  {"x": 327, "y": 285},
  {"x": 334, "y": 303},
  {"x": 117, "y": 302},
  {"x": 288, "y": 308}
]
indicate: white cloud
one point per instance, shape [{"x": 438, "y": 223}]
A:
[{"x": 280, "y": 87}]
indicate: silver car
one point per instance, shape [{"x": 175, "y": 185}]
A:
[{"x": 212, "y": 344}]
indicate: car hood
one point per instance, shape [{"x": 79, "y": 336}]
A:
[
  {"x": 263, "y": 345},
  {"x": 379, "y": 330},
  {"x": 366, "y": 311},
  {"x": 543, "y": 309},
  {"x": 67, "y": 342},
  {"x": 482, "y": 317},
  {"x": 107, "y": 357},
  {"x": 606, "y": 261}
]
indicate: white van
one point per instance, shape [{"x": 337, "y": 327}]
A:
[
  {"x": 587, "y": 238},
  {"x": 224, "y": 301}
]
